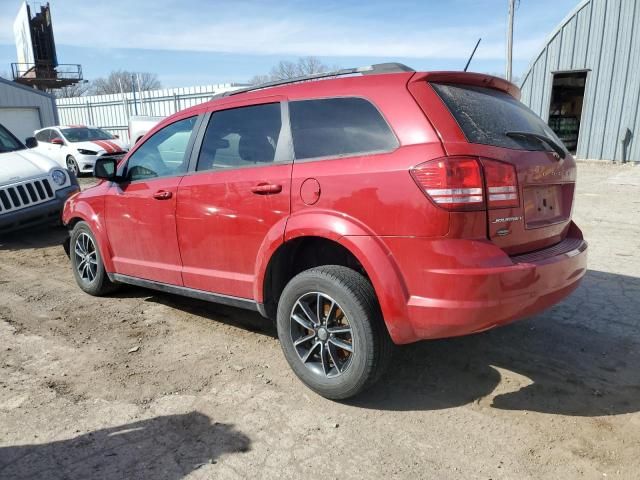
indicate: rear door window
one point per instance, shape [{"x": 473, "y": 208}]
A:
[
  {"x": 485, "y": 116},
  {"x": 241, "y": 137},
  {"x": 336, "y": 127}
]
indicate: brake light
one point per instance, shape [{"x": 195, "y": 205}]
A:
[
  {"x": 453, "y": 183},
  {"x": 502, "y": 184}
]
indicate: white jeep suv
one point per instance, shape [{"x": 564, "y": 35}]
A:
[{"x": 33, "y": 188}]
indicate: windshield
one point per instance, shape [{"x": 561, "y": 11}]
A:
[
  {"x": 9, "y": 143},
  {"x": 84, "y": 134}
]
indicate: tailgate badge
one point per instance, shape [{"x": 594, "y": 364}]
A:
[
  {"x": 507, "y": 219},
  {"x": 503, "y": 232}
]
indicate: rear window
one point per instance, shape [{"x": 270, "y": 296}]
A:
[
  {"x": 338, "y": 127},
  {"x": 485, "y": 115}
]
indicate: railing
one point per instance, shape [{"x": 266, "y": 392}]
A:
[
  {"x": 65, "y": 71},
  {"x": 111, "y": 112}
]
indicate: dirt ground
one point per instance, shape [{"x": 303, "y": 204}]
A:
[{"x": 207, "y": 392}]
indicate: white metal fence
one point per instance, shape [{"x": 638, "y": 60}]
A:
[{"x": 112, "y": 112}]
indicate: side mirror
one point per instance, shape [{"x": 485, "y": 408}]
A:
[
  {"x": 31, "y": 142},
  {"x": 105, "y": 169},
  {"x": 57, "y": 141}
]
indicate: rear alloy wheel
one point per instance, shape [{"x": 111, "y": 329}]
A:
[
  {"x": 331, "y": 331},
  {"x": 321, "y": 334},
  {"x": 86, "y": 262},
  {"x": 72, "y": 166}
]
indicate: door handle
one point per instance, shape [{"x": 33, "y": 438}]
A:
[
  {"x": 162, "y": 195},
  {"x": 266, "y": 189}
]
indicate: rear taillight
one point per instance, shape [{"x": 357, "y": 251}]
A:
[
  {"x": 456, "y": 183},
  {"x": 502, "y": 184}
]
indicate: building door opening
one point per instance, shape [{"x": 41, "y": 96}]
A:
[{"x": 565, "y": 111}]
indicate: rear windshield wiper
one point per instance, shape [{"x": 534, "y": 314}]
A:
[{"x": 541, "y": 138}]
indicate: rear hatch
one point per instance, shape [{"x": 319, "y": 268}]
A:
[{"x": 528, "y": 209}]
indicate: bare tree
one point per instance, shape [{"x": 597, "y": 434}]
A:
[
  {"x": 76, "y": 90},
  {"x": 285, "y": 70},
  {"x": 111, "y": 84},
  {"x": 257, "y": 79},
  {"x": 311, "y": 65}
]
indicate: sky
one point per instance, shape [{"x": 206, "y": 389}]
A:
[{"x": 198, "y": 42}]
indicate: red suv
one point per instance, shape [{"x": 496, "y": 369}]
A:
[{"x": 373, "y": 207}]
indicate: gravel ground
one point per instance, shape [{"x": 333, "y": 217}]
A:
[{"x": 151, "y": 386}]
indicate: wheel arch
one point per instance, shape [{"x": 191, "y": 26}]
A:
[
  {"x": 80, "y": 211},
  {"x": 307, "y": 247}
]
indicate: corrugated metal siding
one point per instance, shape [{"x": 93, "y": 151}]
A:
[
  {"x": 19, "y": 96},
  {"x": 112, "y": 112},
  {"x": 603, "y": 37}
]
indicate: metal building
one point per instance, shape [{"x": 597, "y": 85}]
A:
[
  {"x": 586, "y": 80},
  {"x": 24, "y": 109}
]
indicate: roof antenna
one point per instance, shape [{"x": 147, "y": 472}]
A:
[{"x": 472, "y": 54}]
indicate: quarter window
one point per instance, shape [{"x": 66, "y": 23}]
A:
[
  {"x": 44, "y": 136},
  {"x": 164, "y": 154},
  {"x": 239, "y": 137},
  {"x": 54, "y": 135},
  {"x": 338, "y": 127}
]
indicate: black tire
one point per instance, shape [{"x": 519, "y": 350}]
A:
[
  {"x": 90, "y": 276},
  {"x": 72, "y": 166},
  {"x": 354, "y": 299}
]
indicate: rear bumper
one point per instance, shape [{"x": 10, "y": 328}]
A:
[
  {"x": 468, "y": 299},
  {"x": 43, "y": 213}
]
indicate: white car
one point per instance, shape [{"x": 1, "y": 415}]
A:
[
  {"x": 77, "y": 147},
  {"x": 33, "y": 188}
]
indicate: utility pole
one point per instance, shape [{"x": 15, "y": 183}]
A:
[{"x": 512, "y": 7}]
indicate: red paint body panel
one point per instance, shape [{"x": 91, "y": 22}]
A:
[
  {"x": 142, "y": 230},
  {"x": 436, "y": 273},
  {"x": 465, "y": 286},
  {"x": 222, "y": 225}
]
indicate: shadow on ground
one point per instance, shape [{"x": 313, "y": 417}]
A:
[
  {"x": 237, "y": 317},
  {"x": 580, "y": 358},
  {"x": 163, "y": 448},
  {"x": 35, "y": 237}
]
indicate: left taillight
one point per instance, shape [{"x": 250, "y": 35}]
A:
[
  {"x": 468, "y": 183},
  {"x": 453, "y": 183}
]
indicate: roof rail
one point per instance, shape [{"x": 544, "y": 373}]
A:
[{"x": 368, "y": 70}]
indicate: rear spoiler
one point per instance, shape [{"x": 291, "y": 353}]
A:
[{"x": 466, "y": 78}]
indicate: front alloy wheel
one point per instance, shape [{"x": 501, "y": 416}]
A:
[
  {"x": 86, "y": 257},
  {"x": 86, "y": 262},
  {"x": 72, "y": 166}
]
